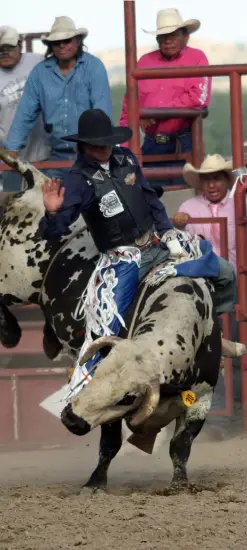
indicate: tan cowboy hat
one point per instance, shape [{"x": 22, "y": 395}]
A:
[
  {"x": 62, "y": 29},
  {"x": 212, "y": 163},
  {"x": 170, "y": 20}
]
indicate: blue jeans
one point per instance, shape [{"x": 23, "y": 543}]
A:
[
  {"x": 11, "y": 182},
  {"x": 127, "y": 275},
  {"x": 57, "y": 156},
  {"x": 150, "y": 147}
]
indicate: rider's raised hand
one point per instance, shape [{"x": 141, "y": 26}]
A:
[{"x": 53, "y": 195}]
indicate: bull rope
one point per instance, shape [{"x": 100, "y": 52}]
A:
[{"x": 52, "y": 262}]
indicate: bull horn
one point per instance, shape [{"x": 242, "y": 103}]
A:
[
  {"x": 149, "y": 404},
  {"x": 97, "y": 345},
  {"x": 30, "y": 173}
]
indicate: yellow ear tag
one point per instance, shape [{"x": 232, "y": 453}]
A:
[{"x": 189, "y": 398}]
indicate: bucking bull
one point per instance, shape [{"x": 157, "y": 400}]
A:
[{"x": 166, "y": 371}]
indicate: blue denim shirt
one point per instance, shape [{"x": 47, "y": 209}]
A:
[
  {"x": 79, "y": 196},
  {"x": 61, "y": 98}
]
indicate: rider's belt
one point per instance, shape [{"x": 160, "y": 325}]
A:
[{"x": 147, "y": 240}]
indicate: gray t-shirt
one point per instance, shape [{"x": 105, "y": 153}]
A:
[{"x": 12, "y": 83}]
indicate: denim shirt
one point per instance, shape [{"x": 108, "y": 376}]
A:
[{"x": 61, "y": 99}]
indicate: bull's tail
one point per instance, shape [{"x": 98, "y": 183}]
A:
[{"x": 26, "y": 169}]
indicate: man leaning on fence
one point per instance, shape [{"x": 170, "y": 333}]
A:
[
  {"x": 212, "y": 183},
  {"x": 172, "y": 136},
  {"x": 68, "y": 82},
  {"x": 15, "y": 66}
]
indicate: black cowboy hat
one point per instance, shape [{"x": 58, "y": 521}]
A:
[{"x": 95, "y": 128}]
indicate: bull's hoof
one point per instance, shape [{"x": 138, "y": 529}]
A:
[
  {"x": 89, "y": 491},
  {"x": 11, "y": 340},
  {"x": 178, "y": 485},
  {"x": 73, "y": 423},
  {"x": 51, "y": 344},
  {"x": 10, "y": 330}
]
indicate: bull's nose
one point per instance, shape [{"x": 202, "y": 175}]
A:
[{"x": 73, "y": 423}]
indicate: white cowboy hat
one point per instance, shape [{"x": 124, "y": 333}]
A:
[
  {"x": 170, "y": 20},
  {"x": 211, "y": 164},
  {"x": 9, "y": 36},
  {"x": 62, "y": 29}
]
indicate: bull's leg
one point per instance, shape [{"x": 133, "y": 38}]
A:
[
  {"x": 51, "y": 344},
  {"x": 188, "y": 426},
  {"x": 10, "y": 331},
  {"x": 180, "y": 447},
  {"x": 110, "y": 444}
]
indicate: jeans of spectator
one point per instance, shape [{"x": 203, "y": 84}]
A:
[
  {"x": 57, "y": 156},
  {"x": 150, "y": 147},
  {"x": 11, "y": 181}
]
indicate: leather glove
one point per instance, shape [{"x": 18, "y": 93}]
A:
[{"x": 170, "y": 240}]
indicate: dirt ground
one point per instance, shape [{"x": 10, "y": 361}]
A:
[{"x": 42, "y": 509}]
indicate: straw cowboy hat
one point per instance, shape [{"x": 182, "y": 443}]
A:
[
  {"x": 211, "y": 164},
  {"x": 170, "y": 20},
  {"x": 95, "y": 128},
  {"x": 63, "y": 29}
]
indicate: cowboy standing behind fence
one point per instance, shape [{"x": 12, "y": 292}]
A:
[
  {"x": 212, "y": 181},
  {"x": 68, "y": 82},
  {"x": 15, "y": 67},
  {"x": 172, "y": 135}
]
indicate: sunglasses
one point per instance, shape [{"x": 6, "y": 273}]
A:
[{"x": 59, "y": 42}]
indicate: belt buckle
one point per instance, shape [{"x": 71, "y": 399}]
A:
[
  {"x": 144, "y": 240},
  {"x": 162, "y": 139}
]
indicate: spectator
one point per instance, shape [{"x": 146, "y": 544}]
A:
[
  {"x": 15, "y": 67},
  {"x": 68, "y": 82},
  {"x": 173, "y": 135},
  {"x": 213, "y": 181}
]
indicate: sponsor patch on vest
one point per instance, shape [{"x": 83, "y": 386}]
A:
[
  {"x": 110, "y": 205},
  {"x": 98, "y": 176},
  {"x": 119, "y": 159},
  {"x": 130, "y": 178}
]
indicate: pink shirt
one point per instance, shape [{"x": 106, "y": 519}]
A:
[
  {"x": 200, "y": 207},
  {"x": 172, "y": 92}
]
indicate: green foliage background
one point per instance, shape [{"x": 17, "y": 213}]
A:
[{"x": 217, "y": 130}]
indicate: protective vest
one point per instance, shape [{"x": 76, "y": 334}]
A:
[{"x": 119, "y": 213}]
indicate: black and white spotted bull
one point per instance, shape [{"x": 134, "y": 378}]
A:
[
  {"x": 54, "y": 275},
  {"x": 175, "y": 349}
]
